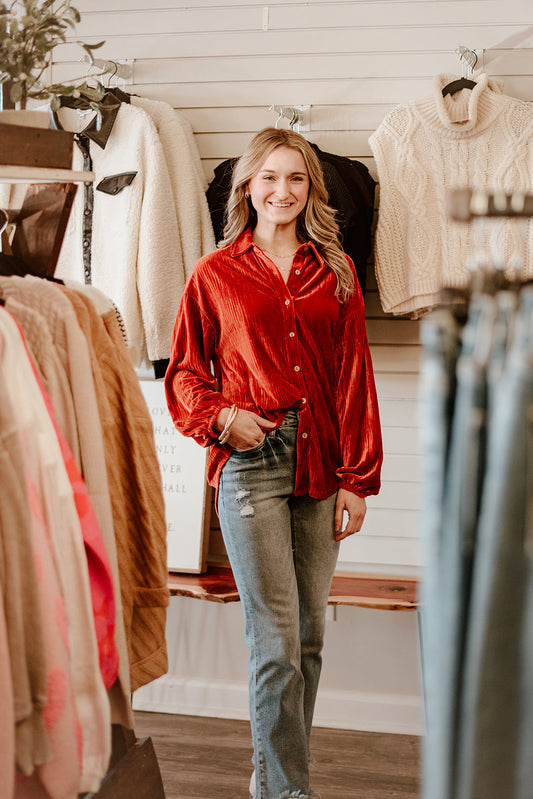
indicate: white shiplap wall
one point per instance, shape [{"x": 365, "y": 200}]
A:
[{"x": 223, "y": 63}]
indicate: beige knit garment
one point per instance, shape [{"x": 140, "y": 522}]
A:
[
  {"x": 477, "y": 138},
  {"x": 136, "y": 491},
  {"x": 40, "y": 343},
  {"x": 24, "y": 656}
]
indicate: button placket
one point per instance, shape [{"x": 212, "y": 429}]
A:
[
  {"x": 292, "y": 335},
  {"x": 294, "y": 347}
]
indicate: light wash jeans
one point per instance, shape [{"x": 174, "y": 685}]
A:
[
  {"x": 494, "y": 722},
  {"x": 448, "y": 571},
  {"x": 283, "y": 554},
  {"x": 441, "y": 338}
]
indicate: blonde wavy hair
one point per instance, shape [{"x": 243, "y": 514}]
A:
[{"x": 316, "y": 222}]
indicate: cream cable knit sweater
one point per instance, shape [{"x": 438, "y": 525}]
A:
[{"x": 478, "y": 138}]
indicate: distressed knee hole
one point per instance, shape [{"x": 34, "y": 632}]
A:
[{"x": 241, "y": 497}]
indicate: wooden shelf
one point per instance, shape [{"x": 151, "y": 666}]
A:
[
  {"x": 32, "y": 174},
  {"x": 382, "y": 592},
  {"x": 216, "y": 585}
]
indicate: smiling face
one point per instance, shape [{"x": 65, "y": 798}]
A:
[{"x": 280, "y": 188}]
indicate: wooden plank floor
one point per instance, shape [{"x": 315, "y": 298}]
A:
[{"x": 205, "y": 758}]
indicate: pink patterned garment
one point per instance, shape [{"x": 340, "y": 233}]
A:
[{"x": 59, "y": 777}]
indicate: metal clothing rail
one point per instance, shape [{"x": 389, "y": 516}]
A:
[
  {"x": 297, "y": 116},
  {"x": 116, "y": 70},
  {"x": 465, "y": 204}
]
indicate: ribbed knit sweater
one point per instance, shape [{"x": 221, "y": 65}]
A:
[
  {"x": 479, "y": 138},
  {"x": 136, "y": 491}
]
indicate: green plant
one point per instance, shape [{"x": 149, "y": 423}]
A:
[{"x": 30, "y": 30}]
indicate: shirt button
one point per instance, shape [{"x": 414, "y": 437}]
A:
[
  {"x": 85, "y": 243},
  {"x": 304, "y": 399},
  {"x": 292, "y": 334},
  {"x": 304, "y": 435},
  {"x": 287, "y": 302},
  {"x": 296, "y": 271},
  {"x": 296, "y": 368}
]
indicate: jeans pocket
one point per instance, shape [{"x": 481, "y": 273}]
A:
[{"x": 249, "y": 450}]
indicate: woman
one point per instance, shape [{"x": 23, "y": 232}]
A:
[{"x": 270, "y": 366}]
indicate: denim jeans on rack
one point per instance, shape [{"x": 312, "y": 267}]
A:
[
  {"x": 283, "y": 554},
  {"x": 493, "y": 701},
  {"x": 506, "y": 312},
  {"x": 446, "y": 583},
  {"x": 440, "y": 336}
]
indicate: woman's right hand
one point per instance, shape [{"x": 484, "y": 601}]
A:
[{"x": 247, "y": 430}]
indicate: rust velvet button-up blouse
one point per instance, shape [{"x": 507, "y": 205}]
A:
[{"x": 243, "y": 336}]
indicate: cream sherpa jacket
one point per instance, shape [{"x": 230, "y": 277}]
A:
[
  {"x": 136, "y": 247},
  {"x": 186, "y": 179},
  {"x": 477, "y": 138}
]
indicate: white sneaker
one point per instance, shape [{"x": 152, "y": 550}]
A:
[{"x": 251, "y": 788}]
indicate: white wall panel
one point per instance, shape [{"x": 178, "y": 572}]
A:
[
  {"x": 401, "y": 440},
  {"x": 306, "y": 42},
  {"x": 394, "y": 359},
  {"x": 298, "y": 17},
  {"x": 398, "y": 411}
]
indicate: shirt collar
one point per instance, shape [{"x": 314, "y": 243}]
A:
[
  {"x": 245, "y": 243},
  {"x": 109, "y": 108}
]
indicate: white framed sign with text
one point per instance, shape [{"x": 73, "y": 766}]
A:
[{"x": 187, "y": 496}]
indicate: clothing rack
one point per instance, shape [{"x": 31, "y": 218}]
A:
[
  {"x": 297, "y": 116},
  {"x": 119, "y": 70},
  {"x": 133, "y": 771},
  {"x": 464, "y": 205},
  {"x": 476, "y": 585}
]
